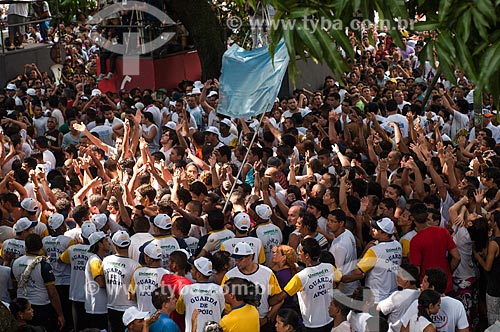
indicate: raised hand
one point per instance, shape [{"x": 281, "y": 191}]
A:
[
  {"x": 383, "y": 165},
  {"x": 79, "y": 126},
  {"x": 143, "y": 144},
  {"x": 138, "y": 117},
  {"x": 364, "y": 203},
  {"x": 212, "y": 160},
  {"x": 479, "y": 195}
]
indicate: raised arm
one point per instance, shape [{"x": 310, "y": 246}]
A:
[{"x": 332, "y": 132}]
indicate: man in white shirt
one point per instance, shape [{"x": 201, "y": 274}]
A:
[
  {"x": 398, "y": 302},
  {"x": 105, "y": 132},
  {"x": 343, "y": 248},
  {"x": 48, "y": 157},
  {"x": 111, "y": 120},
  {"x": 451, "y": 316}
]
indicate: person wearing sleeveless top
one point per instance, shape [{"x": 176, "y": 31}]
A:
[
  {"x": 491, "y": 264},
  {"x": 429, "y": 303}
]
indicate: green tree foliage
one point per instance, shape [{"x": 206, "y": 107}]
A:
[{"x": 460, "y": 34}]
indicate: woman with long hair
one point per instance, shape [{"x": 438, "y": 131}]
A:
[
  {"x": 244, "y": 297},
  {"x": 284, "y": 266},
  {"x": 429, "y": 303}
]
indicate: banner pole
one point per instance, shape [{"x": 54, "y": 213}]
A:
[{"x": 245, "y": 159}]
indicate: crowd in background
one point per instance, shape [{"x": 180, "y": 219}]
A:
[{"x": 360, "y": 206}]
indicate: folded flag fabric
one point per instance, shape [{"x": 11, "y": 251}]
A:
[{"x": 250, "y": 81}]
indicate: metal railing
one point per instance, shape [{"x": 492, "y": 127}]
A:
[{"x": 4, "y": 24}]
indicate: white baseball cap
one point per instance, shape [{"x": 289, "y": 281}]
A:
[
  {"x": 23, "y": 224},
  {"x": 11, "y": 86},
  {"x": 204, "y": 265},
  {"x": 29, "y": 204},
  {"x": 121, "y": 239},
  {"x": 264, "y": 211},
  {"x": 55, "y": 221},
  {"x": 96, "y": 237},
  {"x": 96, "y": 92},
  {"x": 170, "y": 125},
  {"x": 386, "y": 225},
  {"x": 99, "y": 220},
  {"x": 162, "y": 221},
  {"x": 196, "y": 91},
  {"x": 31, "y": 92},
  {"x": 212, "y": 93},
  {"x": 88, "y": 228},
  {"x": 152, "y": 250},
  {"x": 132, "y": 314},
  {"x": 227, "y": 122},
  {"x": 213, "y": 130},
  {"x": 241, "y": 250},
  {"x": 242, "y": 221}
]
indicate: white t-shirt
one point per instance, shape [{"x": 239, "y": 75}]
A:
[
  {"x": 451, "y": 315},
  {"x": 343, "y": 249},
  {"x": 401, "y": 121},
  {"x": 54, "y": 246},
  {"x": 221, "y": 235},
  {"x": 114, "y": 123},
  {"x": 105, "y": 134},
  {"x": 40, "y": 125},
  {"x": 381, "y": 264},
  {"x": 118, "y": 273},
  {"x": 207, "y": 298},
  {"x": 78, "y": 256},
  {"x": 144, "y": 281},
  {"x": 270, "y": 235},
  {"x": 313, "y": 286},
  {"x": 343, "y": 327},
  {"x": 358, "y": 321},
  {"x": 264, "y": 278},
  {"x": 466, "y": 268},
  {"x": 168, "y": 244},
  {"x": 396, "y": 305},
  {"x": 136, "y": 241},
  {"x": 6, "y": 282},
  {"x": 458, "y": 122}
]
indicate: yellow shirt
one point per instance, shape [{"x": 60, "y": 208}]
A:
[{"x": 241, "y": 319}]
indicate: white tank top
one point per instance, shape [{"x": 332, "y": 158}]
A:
[
  {"x": 54, "y": 246},
  {"x": 118, "y": 273}
]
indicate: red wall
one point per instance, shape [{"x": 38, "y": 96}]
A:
[{"x": 156, "y": 73}]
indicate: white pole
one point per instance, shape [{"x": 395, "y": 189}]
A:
[{"x": 244, "y": 159}]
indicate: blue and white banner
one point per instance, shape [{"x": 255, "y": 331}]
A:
[{"x": 249, "y": 81}]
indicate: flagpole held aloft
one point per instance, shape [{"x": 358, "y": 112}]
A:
[{"x": 255, "y": 134}]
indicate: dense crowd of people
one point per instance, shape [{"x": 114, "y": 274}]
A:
[{"x": 360, "y": 206}]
